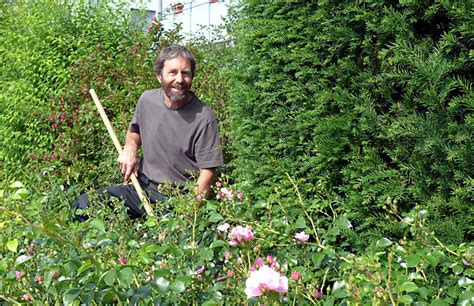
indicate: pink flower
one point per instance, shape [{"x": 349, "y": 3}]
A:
[
  {"x": 31, "y": 249},
  {"x": 379, "y": 292},
  {"x": 295, "y": 275},
  {"x": 230, "y": 273},
  {"x": 259, "y": 262},
  {"x": 317, "y": 294},
  {"x": 27, "y": 297},
  {"x": 302, "y": 236},
  {"x": 263, "y": 280},
  {"x": 39, "y": 278},
  {"x": 198, "y": 197},
  {"x": 240, "y": 261},
  {"x": 18, "y": 274},
  {"x": 227, "y": 255},
  {"x": 122, "y": 260},
  {"x": 218, "y": 184},
  {"x": 55, "y": 275},
  {"x": 240, "y": 196},
  {"x": 240, "y": 234},
  {"x": 223, "y": 227}
]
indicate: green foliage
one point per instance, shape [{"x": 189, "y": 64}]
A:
[
  {"x": 367, "y": 104},
  {"x": 185, "y": 257}
]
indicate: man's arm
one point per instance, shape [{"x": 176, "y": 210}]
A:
[
  {"x": 128, "y": 160},
  {"x": 205, "y": 180}
]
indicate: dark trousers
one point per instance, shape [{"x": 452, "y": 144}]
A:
[{"x": 125, "y": 192}]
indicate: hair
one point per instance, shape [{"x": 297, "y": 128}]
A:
[{"x": 171, "y": 52}]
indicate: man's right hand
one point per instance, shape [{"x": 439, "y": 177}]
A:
[{"x": 128, "y": 162}]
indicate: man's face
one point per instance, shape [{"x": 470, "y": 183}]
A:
[{"x": 176, "y": 79}]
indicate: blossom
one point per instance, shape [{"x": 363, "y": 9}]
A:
[
  {"x": 259, "y": 262},
  {"x": 240, "y": 196},
  {"x": 295, "y": 275},
  {"x": 302, "y": 236},
  {"x": 223, "y": 227},
  {"x": 379, "y": 292},
  {"x": 240, "y": 234},
  {"x": 227, "y": 255},
  {"x": 122, "y": 260},
  {"x": 230, "y": 273},
  {"x": 263, "y": 280},
  {"x": 317, "y": 293},
  {"x": 27, "y": 297},
  {"x": 218, "y": 184},
  {"x": 225, "y": 194},
  {"x": 39, "y": 278},
  {"x": 18, "y": 274}
]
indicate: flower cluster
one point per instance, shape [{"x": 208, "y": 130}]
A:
[
  {"x": 264, "y": 280},
  {"x": 240, "y": 234},
  {"x": 227, "y": 194}
]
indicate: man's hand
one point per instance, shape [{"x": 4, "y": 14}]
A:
[{"x": 128, "y": 159}]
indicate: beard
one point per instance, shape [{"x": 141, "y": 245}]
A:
[{"x": 177, "y": 92}]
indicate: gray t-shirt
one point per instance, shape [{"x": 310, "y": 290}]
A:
[{"x": 176, "y": 142}]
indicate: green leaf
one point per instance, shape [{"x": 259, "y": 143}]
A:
[
  {"x": 70, "y": 295},
  {"x": 317, "y": 259},
  {"x": 178, "y": 286},
  {"x": 12, "y": 245},
  {"x": 413, "y": 260},
  {"x": 457, "y": 269},
  {"x": 215, "y": 217},
  {"x": 408, "y": 287},
  {"x": 383, "y": 243},
  {"x": 300, "y": 222},
  {"x": 432, "y": 259},
  {"x": 98, "y": 225},
  {"x": 133, "y": 244},
  {"x": 84, "y": 267},
  {"x": 21, "y": 259},
  {"x": 217, "y": 243},
  {"x": 125, "y": 277},
  {"x": 206, "y": 254},
  {"x": 162, "y": 283},
  {"x": 405, "y": 299},
  {"x": 110, "y": 278},
  {"x": 21, "y": 194},
  {"x": 16, "y": 184},
  {"x": 343, "y": 223}
]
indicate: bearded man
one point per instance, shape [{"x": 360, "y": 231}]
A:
[{"x": 178, "y": 133}]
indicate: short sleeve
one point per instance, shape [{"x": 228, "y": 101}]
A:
[
  {"x": 134, "y": 126},
  {"x": 208, "y": 150}
]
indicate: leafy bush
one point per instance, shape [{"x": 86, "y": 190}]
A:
[
  {"x": 193, "y": 255},
  {"x": 367, "y": 104}
]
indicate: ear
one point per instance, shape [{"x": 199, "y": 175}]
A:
[{"x": 158, "y": 77}]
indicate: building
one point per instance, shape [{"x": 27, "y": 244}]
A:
[{"x": 196, "y": 16}]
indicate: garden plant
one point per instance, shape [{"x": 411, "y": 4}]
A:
[{"x": 347, "y": 129}]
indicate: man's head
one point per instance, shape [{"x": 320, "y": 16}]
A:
[{"x": 175, "y": 68}]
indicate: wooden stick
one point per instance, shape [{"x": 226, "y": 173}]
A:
[{"x": 118, "y": 146}]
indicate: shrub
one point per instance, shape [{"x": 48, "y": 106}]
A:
[{"x": 368, "y": 105}]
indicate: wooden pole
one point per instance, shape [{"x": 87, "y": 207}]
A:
[{"x": 118, "y": 146}]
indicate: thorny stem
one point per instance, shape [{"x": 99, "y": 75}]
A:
[
  {"x": 389, "y": 289},
  {"x": 6, "y": 298},
  {"x": 305, "y": 212}
]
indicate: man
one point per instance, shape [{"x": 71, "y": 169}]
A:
[{"x": 178, "y": 133}]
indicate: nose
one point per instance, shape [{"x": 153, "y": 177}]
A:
[{"x": 179, "y": 78}]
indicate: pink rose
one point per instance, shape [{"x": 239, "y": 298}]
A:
[
  {"x": 263, "y": 280},
  {"x": 27, "y": 297},
  {"x": 302, "y": 236},
  {"x": 240, "y": 234},
  {"x": 295, "y": 275}
]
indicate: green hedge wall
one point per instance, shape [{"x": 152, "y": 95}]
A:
[{"x": 367, "y": 105}]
